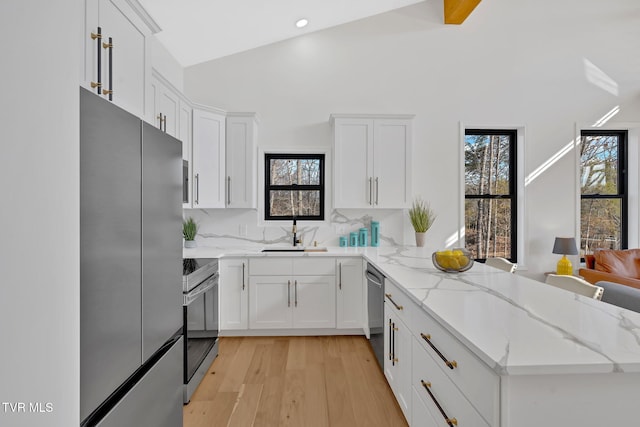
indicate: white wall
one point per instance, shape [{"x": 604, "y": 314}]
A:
[
  {"x": 514, "y": 63},
  {"x": 163, "y": 62},
  {"x": 39, "y": 190}
]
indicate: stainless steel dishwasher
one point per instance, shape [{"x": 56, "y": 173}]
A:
[{"x": 375, "y": 309}]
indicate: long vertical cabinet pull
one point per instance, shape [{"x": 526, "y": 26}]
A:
[
  {"x": 243, "y": 276},
  {"x": 288, "y": 293},
  {"x": 98, "y": 37},
  {"x": 110, "y": 90},
  {"x": 376, "y": 190},
  {"x": 393, "y": 342},
  {"x": 197, "y": 201},
  {"x": 390, "y": 332},
  {"x": 295, "y": 292},
  {"x": 340, "y": 276},
  {"x": 228, "y": 190},
  {"x": 371, "y": 191}
]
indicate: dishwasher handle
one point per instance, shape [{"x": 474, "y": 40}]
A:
[{"x": 373, "y": 278}]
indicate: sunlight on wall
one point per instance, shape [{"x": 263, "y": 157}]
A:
[
  {"x": 599, "y": 78},
  {"x": 567, "y": 148},
  {"x": 456, "y": 237}
]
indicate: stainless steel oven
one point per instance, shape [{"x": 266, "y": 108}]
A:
[{"x": 200, "y": 320}]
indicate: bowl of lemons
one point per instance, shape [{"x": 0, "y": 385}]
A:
[{"x": 454, "y": 260}]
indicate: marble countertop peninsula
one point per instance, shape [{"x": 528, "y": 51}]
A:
[{"x": 516, "y": 325}]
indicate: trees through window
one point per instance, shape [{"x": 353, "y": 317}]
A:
[
  {"x": 294, "y": 186},
  {"x": 490, "y": 193},
  {"x": 603, "y": 184}
]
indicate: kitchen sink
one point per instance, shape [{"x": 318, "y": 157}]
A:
[{"x": 310, "y": 249}]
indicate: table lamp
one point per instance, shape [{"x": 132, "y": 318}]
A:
[{"x": 565, "y": 246}]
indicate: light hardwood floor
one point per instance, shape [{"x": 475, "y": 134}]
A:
[{"x": 294, "y": 381}]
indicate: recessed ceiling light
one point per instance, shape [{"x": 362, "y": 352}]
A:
[{"x": 301, "y": 23}]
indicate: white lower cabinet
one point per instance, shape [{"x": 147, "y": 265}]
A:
[
  {"x": 439, "y": 394},
  {"x": 233, "y": 293},
  {"x": 284, "y": 302},
  {"x": 291, "y": 293},
  {"x": 349, "y": 292},
  {"x": 397, "y": 360}
]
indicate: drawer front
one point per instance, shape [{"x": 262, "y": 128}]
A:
[
  {"x": 314, "y": 266},
  {"x": 462, "y": 367},
  {"x": 428, "y": 377},
  {"x": 270, "y": 266},
  {"x": 420, "y": 415},
  {"x": 401, "y": 303}
]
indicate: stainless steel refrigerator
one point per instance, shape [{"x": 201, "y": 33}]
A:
[{"x": 130, "y": 270}]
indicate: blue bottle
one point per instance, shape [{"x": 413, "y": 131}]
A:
[
  {"x": 363, "y": 237},
  {"x": 343, "y": 241},
  {"x": 353, "y": 239},
  {"x": 375, "y": 233}
]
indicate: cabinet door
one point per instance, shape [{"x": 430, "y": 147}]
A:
[
  {"x": 350, "y": 304},
  {"x": 353, "y": 159},
  {"x": 166, "y": 108},
  {"x": 130, "y": 71},
  {"x": 208, "y": 159},
  {"x": 392, "y": 163},
  {"x": 314, "y": 302},
  {"x": 184, "y": 132},
  {"x": 233, "y": 294},
  {"x": 241, "y": 162},
  {"x": 271, "y": 303},
  {"x": 397, "y": 362}
]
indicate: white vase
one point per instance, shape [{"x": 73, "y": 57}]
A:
[
  {"x": 420, "y": 239},
  {"x": 190, "y": 244}
]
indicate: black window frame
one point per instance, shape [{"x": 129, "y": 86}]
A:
[
  {"x": 268, "y": 187},
  {"x": 513, "y": 187},
  {"x": 623, "y": 185}
]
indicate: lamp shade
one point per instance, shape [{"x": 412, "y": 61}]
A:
[{"x": 565, "y": 246}]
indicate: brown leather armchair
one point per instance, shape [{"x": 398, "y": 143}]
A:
[{"x": 618, "y": 266}]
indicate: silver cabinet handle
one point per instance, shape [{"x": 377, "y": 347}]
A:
[
  {"x": 197, "y": 188},
  {"x": 370, "y": 191},
  {"x": 340, "y": 276},
  {"x": 288, "y": 293},
  {"x": 228, "y": 190},
  {"x": 243, "y": 276},
  {"x": 376, "y": 190},
  {"x": 295, "y": 290}
]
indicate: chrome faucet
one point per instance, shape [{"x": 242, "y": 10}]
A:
[{"x": 294, "y": 230}]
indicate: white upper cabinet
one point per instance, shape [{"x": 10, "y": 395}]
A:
[
  {"x": 185, "y": 132},
  {"x": 208, "y": 159},
  {"x": 123, "y": 69},
  {"x": 372, "y": 161},
  {"x": 166, "y": 106},
  {"x": 241, "y": 162}
]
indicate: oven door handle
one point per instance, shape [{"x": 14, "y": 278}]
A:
[
  {"x": 193, "y": 295},
  {"x": 373, "y": 279}
]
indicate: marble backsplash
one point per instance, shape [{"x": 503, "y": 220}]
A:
[{"x": 240, "y": 227}]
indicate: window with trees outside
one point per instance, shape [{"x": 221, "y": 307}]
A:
[
  {"x": 490, "y": 193},
  {"x": 294, "y": 186},
  {"x": 603, "y": 185}
]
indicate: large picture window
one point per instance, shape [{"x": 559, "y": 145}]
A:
[
  {"x": 603, "y": 184},
  {"x": 294, "y": 186},
  {"x": 490, "y": 193}
]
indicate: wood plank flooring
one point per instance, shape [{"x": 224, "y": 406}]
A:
[{"x": 331, "y": 381}]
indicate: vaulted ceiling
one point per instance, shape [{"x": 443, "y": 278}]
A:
[{"x": 194, "y": 31}]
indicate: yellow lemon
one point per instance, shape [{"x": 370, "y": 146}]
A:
[
  {"x": 463, "y": 260},
  {"x": 458, "y": 253}
]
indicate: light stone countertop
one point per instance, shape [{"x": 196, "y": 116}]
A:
[{"x": 516, "y": 325}]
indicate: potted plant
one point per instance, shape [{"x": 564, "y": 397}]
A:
[
  {"x": 422, "y": 217},
  {"x": 189, "y": 231}
]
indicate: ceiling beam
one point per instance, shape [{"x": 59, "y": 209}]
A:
[{"x": 456, "y": 11}]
